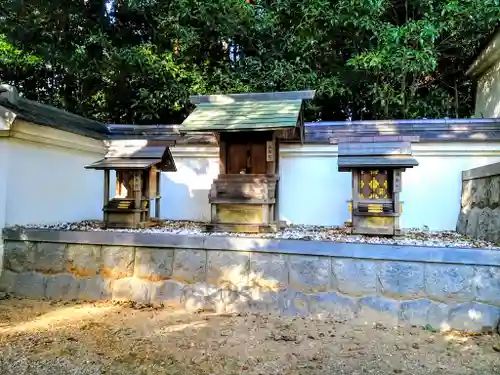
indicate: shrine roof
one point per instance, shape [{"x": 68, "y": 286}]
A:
[
  {"x": 247, "y": 112},
  {"x": 395, "y": 161},
  {"x": 123, "y": 163},
  {"x": 133, "y": 157},
  {"x": 382, "y": 151}
]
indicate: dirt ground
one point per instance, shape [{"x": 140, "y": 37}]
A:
[{"x": 41, "y": 337}]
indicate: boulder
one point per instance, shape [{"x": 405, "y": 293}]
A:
[
  {"x": 472, "y": 222},
  {"x": 483, "y": 224},
  {"x": 481, "y": 195}
]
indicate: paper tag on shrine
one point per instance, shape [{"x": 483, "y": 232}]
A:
[
  {"x": 269, "y": 151},
  {"x": 397, "y": 181}
]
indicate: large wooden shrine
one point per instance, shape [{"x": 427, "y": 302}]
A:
[
  {"x": 138, "y": 171},
  {"x": 376, "y": 164},
  {"x": 248, "y": 128}
]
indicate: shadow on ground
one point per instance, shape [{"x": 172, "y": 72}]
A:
[{"x": 41, "y": 337}]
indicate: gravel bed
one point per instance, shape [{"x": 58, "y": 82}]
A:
[{"x": 411, "y": 237}]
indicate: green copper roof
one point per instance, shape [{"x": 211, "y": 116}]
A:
[{"x": 244, "y": 115}]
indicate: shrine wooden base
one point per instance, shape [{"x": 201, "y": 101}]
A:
[
  {"x": 126, "y": 220},
  {"x": 141, "y": 225},
  {"x": 243, "y": 203},
  {"x": 375, "y": 225},
  {"x": 241, "y": 228},
  {"x": 241, "y": 217}
]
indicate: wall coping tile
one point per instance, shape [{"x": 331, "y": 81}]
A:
[
  {"x": 489, "y": 170},
  {"x": 449, "y": 255}
]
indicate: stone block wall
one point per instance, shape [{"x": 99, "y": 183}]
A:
[
  {"x": 480, "y": 203},
  {"x": 440, "y": 295}
]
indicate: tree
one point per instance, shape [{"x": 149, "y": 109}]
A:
[{"x": 137, "y": 61}]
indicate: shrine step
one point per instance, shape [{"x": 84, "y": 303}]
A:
[{"x": 241, "y": 228}]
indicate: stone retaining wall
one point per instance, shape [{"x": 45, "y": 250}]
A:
[
  {"x": 459, "y": 289},
  {"x": 480, "y": 204}
]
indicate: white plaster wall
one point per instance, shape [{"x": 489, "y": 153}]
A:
[
  {"x": 4, "y": 168},
  {"x": 432, "y": 191},
  {"x": 488, "y": 93},
  {"x": 49, "y": 184},
  {"x": 312, "y": 191},
  {"x": 185, "y": 192},
  {"x": 302, "y": 186},
  {"x": 307, "y": 182}
]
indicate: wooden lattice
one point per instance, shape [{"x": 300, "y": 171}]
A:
[{"x": 374, "y": 184}]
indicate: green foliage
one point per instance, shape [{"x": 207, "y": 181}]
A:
[
  {"x": 13, "y": 58},
  {"x": 139, "y": 61}
]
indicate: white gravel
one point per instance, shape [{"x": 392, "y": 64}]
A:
[{"x": 412, "y": 237}]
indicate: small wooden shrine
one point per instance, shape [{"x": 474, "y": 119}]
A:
[
  {"x": 138, "y": 175},
  {"x": 376, "y": 164},
  {"x": 248, "y": 128}
]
